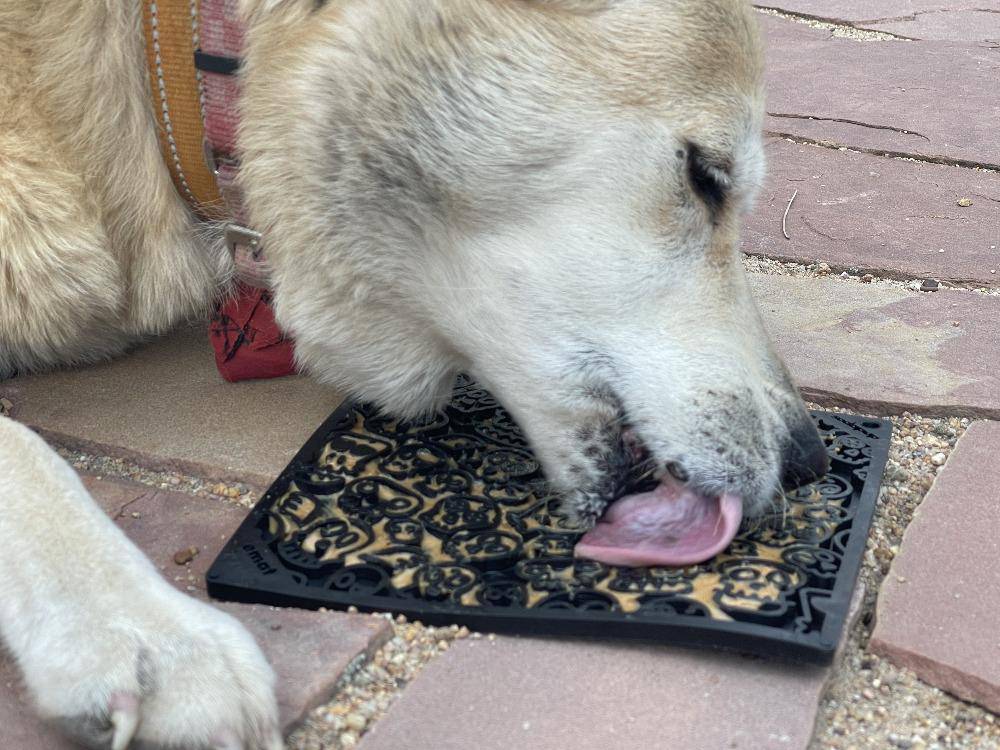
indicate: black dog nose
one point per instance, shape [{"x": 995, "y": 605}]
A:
[{"x": 805, "y": 458}]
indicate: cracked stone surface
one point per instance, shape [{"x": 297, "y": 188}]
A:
[
  {"x": 879, "y": 348},
  {"x": 935, "y": 100},
  {"x": 867, "y": 212},
  {"x": 937, "y": 610},
  {"x": 861, "y": 12},
  {"x": 924, "y": 20},
  {"x": 165, "y": 406},
  {"x": 309, "y": 651},
  {"x": 958, "y": 25},
  {"x": 162, "y": 523}
]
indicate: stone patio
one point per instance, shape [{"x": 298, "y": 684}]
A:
[
  {"x": 883, "y": 97},
  {"x": 905, "y": 221},
  {"x": 165, "y": 407},
  {"x": 882, "y": 140},
  {"x": 928, "y": 20},
  {"x": 937, "y": 612},
  {"x": 535, "y": 693}
]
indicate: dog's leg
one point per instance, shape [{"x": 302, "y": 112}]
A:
[{"x": 109, "y": 650}]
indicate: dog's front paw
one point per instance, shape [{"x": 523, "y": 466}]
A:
[{"x": 171, "y": 673}]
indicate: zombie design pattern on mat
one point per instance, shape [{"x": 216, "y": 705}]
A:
[{"x": 454, "y": 509}]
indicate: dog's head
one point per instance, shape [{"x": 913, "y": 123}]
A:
[{"x": 546, "y": 194}]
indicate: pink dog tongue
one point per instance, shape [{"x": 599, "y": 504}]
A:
[{"x": 670, "y": 525}]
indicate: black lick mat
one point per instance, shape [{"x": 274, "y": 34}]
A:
[{"x": 448, "y": 521}]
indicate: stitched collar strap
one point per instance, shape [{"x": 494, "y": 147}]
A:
[
  {"x": 193, "y": 51},
  {"x": 171, "y": 30}
]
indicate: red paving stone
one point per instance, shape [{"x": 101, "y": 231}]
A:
[
  {"x": 882, "y": 348},
  {"x": 871, "y": 213},
  {"x": 549, "y": 694},
  {"x": 926, "y": 20},
  {"x": 971, "y": 25},
  {"x": 945, "y": 95},
  {"x": 165, "y": 406},
  {"x": 163, "y": 523},
  {"x": 938, "y": 609},
  {"x": 308, "y": 650},
  {"x": 552, "y": 695},
  {"x": 857, "y": 11}
]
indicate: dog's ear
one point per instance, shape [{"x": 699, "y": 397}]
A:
[{"x": 575, "y": 6}]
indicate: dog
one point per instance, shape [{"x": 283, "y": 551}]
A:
[{"x": 545, "y": 194}]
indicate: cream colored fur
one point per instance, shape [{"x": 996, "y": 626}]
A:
[
  {"x": 96, "y": 248},
  {"x": 104, "y": 642},
  {"x": 544, "y": 193}
]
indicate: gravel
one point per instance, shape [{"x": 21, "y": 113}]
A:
[
  {"x": 841, "y": 30},
  {"x": 761, "y": 264},
  {"x": 873, "y": 704},
  {"x": 105, "y": 467},
  {"x": 369, "y": 688},
  {"x": 870, "y": 703}
]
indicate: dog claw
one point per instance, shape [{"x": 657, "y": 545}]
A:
[{"x": 124, "y": 720}]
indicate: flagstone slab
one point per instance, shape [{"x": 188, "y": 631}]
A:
[
  {"x": 894, "y": 217},
  {"x": 960, "y": 25},
  {"x": 309, "y": 651},
  {"x": 882, "y": 348},
  {"x": 927, "y": 20},
  {"x": 937, "y": 610},
  {"x": 586, "y": 694},
  {"x": 859, "y": 11},
  {"x": 163, "y": 524},
  {"x": 547, "y": 694},
  {"x": 165, "y": 406},
  {"x": 936, "y": 100}
]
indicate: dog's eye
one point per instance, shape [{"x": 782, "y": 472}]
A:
[{"x": 709, "y": 180}]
